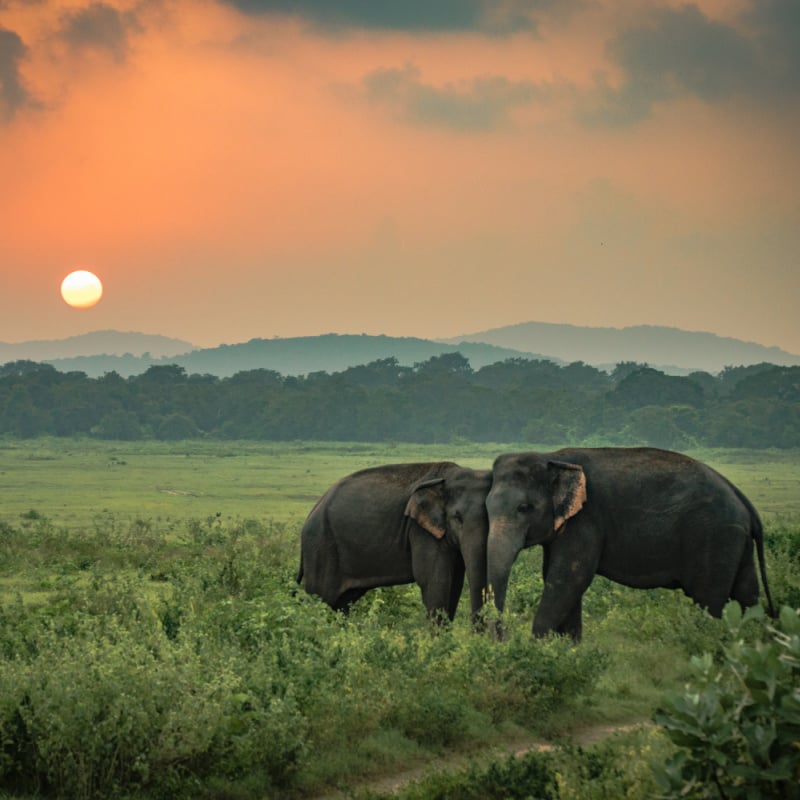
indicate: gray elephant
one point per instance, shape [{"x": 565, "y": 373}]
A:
[
  {"x": 399, "y": 523},
  {"x": 642, "y": 517}
]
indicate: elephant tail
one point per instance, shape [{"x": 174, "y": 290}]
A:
[
  {"x": 757, "y": 533},
  {"x": 299, "y": 578}
]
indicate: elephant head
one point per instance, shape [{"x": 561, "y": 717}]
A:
[
  {"x": 531, "y": 499},
  {"x": 452, "y": 507}
]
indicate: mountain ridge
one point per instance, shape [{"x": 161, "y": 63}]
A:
[
  {"x": 94, "y": 343},
  {"x": 669, "y": 349},
  {"x": 292, "y": 356}
]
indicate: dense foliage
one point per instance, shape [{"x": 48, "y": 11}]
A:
[
  {"x": 166, "y": 661},
  {"x": 434, "y": 401},
  {"x": 738, "y": 723}
]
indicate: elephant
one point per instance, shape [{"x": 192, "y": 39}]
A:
[
  {"x": 642, "y": 517},
  {"x": 399, "y": 523}
]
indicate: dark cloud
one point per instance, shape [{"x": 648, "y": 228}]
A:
[
  {"x": 13, "y": 94},
  {"x": 776, "y": 26},
  {"x": 682, "y": 51},
  {"x": 496, "y": 17},
  {"x": 481, "y": 104},
  {"x": 99, "y": 26}
]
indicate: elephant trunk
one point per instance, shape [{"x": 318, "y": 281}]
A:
[
  {"x": 501, "y": 553},
  {"x": 475, "y": 566}
]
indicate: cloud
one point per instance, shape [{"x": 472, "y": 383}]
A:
[
  {"x": 494, "y": 17},
  {"x": 776, "y": 24},
  {"x": 13, "y": 94},
  {"x": 482, "y": 104},
  {"x": 684, "y": 52},
  {"x": 99, "y": 27}
]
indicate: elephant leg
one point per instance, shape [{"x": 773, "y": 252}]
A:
[
  {"x": 561, "y": 609},
  {"x": 745, "y": 585},
  {"x": 572, "y": 625},
  {"x": 439, "y": 571},
  {"x": 345, "y": 600},
  {"x": 569, "y": 567},
  {"x": 442, "y": 589},
  {"x": 456, "y": 587},
  {"x": 712, "y": 576}
]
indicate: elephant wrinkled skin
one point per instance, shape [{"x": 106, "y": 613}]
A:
[
  {"x": 642, "y": 517},
  {"x": 399, "y": 523}
]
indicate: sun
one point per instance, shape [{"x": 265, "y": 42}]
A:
[{"x": 81, "y": 289}]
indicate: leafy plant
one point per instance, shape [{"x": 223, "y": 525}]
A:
[{"x": 738, "y": 723}]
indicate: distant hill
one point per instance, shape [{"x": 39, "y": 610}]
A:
[
  {"x": 91, "y": 344},
  {"x": 669, "y": 349},
  {"x": 293, "y": 356}
]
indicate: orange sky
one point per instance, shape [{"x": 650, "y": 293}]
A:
[{"x": 232, "y": 171}]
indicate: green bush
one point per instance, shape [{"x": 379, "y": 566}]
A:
[
  {"x": 738, "y": 723},
  {"x": 782, "y": 543},
  {"x": 531, "y": 776},
  {"x": 107, "y": 708}
]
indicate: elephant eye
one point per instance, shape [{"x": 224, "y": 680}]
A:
[
  {"x": 524, "y": 508},
  {"x": 457, "y": 516}
]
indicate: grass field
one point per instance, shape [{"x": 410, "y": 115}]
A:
[
  {"x": 73, "y": 482},
  {"x": 152, "y": 644}
]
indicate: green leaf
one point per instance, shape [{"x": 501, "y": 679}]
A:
[
  {"x": 753, "y": 613},
  {"x": 732, "y": 615},
  {"x": 790, "y": 621}
]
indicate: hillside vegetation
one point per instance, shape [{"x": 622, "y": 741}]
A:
[{"x": 672, "y": 350}]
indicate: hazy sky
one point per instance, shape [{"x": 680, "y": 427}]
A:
[{"x": 234, "y": 169}]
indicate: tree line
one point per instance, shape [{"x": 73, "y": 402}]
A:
[{"x": 434, "y": 401}]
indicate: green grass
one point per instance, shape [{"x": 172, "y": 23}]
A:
[
  {"x": 770, "y": 478},
  {"x": 73, "y": 481},
  {"x": 161, "y": 577}
]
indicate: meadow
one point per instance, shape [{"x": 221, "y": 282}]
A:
[{"x": 153, "y": 643}]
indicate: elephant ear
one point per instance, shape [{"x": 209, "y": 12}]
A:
[
  {"x": 426, "y": 506},
  {"x": 569, "y": 491}
]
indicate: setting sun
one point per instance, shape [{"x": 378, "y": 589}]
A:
[{"x": 81, "y": 289}]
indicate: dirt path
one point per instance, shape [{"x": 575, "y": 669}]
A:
[{"x": 518, "y": 747}]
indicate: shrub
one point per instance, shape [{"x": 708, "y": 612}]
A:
[
  {"x": 616, "y": 767},
  {"x": 524, "y": 778},
  {"x": 738, "y": 723},
  {"x": 107, "y": 709},
  {"x": 782, "y": 543}
]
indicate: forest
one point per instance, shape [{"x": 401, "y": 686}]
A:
[{"x": 439, "y": 400}]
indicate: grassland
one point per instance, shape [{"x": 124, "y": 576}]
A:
[
  {"x": 75, "y": 481},
  {"x": 152, "y": 644}
]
